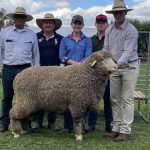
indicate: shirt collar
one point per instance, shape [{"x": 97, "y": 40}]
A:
[
  {"x": 123, "y": 25},
  {"x": 42, "y": 34},
  {"x": 23, "y": 30},
  {"x": 96, "y": 35},
  {"x": 81, "y": 36}
]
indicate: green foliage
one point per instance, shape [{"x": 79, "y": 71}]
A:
[{"x": 143, "y": 36}]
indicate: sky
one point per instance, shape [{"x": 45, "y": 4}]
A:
[{"x": 65, "y": 9}]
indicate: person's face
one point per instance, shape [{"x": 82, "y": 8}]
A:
[
  {"x": 101, "y": 26},
  {"x": 48, "y": 25},
  {"x": 119, "y": 16},
  {"x": 19, "y": 21},
  {"x": 77, "y": 26}
]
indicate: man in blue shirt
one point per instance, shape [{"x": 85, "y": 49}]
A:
[
  {"x": 49, "y": 42},
  {"x": 19, "y": 50}
]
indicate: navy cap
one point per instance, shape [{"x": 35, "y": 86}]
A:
[
  {"x": 101, "y": 18},
  {"x": 77, "y": 18}
]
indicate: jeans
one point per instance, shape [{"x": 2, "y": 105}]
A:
[
  {"x": 68, "y": 121},
  {"x": 8, "y": 75},
  {"x": 51, "y": 118}
]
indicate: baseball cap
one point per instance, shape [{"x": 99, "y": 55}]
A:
[
  {"x": 77, "y": 18},
  {"x": 101, "y": 18}
]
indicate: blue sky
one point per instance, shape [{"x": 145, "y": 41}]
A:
[
  {"x": 90, "y": 3},
  {"x": 65, "y": 9}
]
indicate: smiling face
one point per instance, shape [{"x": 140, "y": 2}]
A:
[
  {"x": 119, "y": 17},
  {"x": 101, "y": 26},
  {"x": 77, "y": 26},
  {"x": 19, "y": 21},
  {"x": 48, "y": 25}
]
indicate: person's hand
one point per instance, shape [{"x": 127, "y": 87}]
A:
[
  {"x": 71, "y": 62},
  {"x": 119, "y": 66}
]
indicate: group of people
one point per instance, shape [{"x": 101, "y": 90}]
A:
[{"x": 22, "y": 48}]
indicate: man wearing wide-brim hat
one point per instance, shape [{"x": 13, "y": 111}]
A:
[
  {"x": 19, "y": 50},
  {"x": 49, "y": 42},
  {"x": 121, "y": 39}
]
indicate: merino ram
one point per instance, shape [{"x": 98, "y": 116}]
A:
[{"x": 74, "y": 87}]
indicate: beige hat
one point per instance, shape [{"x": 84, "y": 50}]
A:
[
  {"x": 49, "y": 16},
  {"x": 118, "y": 5},
  {"x": 21, "y": 11}
]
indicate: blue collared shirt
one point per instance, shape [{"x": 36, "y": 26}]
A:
[
  {"x": 19, "y": 46},
  {"x": 76, "y": 51}
]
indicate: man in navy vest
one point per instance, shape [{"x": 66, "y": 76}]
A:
[{"x": 49, "y": 42}]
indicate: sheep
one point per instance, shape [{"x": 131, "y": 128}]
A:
[{"x": 74, "y": 87}]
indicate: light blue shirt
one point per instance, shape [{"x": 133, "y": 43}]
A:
[
  {"x": 76, "y": 51},
  {"x": 19, "y": 46}
]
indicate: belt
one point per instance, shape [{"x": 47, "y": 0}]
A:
[
  {"x": 130, "y": 61},
  {"x": 18, "y": 66}
]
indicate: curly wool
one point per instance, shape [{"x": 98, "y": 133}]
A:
[{"x": 53, "y": 88}]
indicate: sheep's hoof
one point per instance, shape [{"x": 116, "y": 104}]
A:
[
  {"x": 16, "y": 135},
  {"x": 79, "y": 137}
]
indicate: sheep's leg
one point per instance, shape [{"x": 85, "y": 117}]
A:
[
  {"x": 26, "y": 125},
  {"x": 16, "y": 127},
  {"x": 78, "y": 129},
  {"x": 77, "y": 118}
]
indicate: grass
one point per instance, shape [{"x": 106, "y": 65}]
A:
[{"x": 43, "y": 139}]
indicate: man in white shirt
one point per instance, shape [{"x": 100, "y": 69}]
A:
[
  {"x": 121, "y": 39},
  {"x": 19, "y": 50}
]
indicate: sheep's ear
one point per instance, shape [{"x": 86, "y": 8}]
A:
[{"x": 93, "y": 63}]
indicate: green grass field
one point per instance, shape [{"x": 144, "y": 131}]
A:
[{"x": 43, "y": 139}]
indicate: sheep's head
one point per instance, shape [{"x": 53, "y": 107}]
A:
[{"x": 103, "y": 60}]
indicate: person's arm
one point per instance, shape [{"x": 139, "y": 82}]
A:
[
  {"x": 130, "y": 45},
  {"x": 0, "y": 48},
  {"x": 35, "y": 52},
  {"x": 62, "y": 50},
  {"x": 88, "y": 50},
  {"x": 106, "y": 41}
]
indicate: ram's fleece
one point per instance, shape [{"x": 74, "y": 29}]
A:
[{"x": 74, "y": 87}]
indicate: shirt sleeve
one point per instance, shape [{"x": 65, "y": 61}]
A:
[
  {"x": 130, "y": 45},
  {"x": 0, "y": 48},
  {"x": 62, "y": 50},
  {"x": 35, "y": 51},
  {"x": 106, "y": 41},
  {"x": 88, "y": 50}
]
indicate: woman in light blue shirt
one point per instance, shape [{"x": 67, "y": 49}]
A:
[{"x": 74, "y": 49}]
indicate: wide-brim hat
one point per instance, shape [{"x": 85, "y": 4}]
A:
[
  {"x": 119, "y": 5},
  {"x": 49, "y": 16},
  {"x": 21, "y": 11}
]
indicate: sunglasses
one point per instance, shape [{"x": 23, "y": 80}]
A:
[
  {"x": 20, "y": 16},
  {"x": 118, "y": 12},
  {"x": 101, "y": 22}
]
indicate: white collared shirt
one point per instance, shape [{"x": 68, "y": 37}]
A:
[{"x": 19, "y": 47}]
